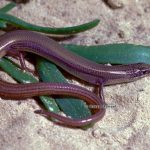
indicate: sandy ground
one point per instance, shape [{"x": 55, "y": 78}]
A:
[{"x": 124, "y": 127}]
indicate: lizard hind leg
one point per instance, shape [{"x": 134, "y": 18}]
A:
[
  {"x": 23, "y": 64},
  {"x": 21, "y": 57}
]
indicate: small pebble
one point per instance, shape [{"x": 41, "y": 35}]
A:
[
  {"x": 114, "y": 4},
  {"x": 20, "y": 1}
]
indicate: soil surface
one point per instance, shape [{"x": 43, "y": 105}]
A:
[{"x": 125, "y": 126}]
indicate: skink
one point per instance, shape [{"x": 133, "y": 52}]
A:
[
  {"x": 84, "y": 69},
  {"x": 78, "y": 66},
  {"x": 22, "y": 91}
]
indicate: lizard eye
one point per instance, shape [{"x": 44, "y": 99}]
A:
[
  {"x": 142, "y": 69},
  {"x": 145, "y": 70}
]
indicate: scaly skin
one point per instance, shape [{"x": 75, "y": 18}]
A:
[
  {"x": 18, "y": 41},
  {"x": 76, "y": 65},
  {"x": 22, "y": 91}
]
